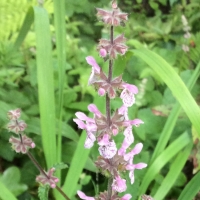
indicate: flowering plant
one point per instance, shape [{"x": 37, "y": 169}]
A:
[{"x": 102, "y": 129}]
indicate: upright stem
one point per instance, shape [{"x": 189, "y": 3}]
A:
[{"x": 108, "y": 110}]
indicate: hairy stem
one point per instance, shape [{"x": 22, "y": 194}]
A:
[
  {"x": 44, "y": 173},
  {"x": 108, "y": 110}
]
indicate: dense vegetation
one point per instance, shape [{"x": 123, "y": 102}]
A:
[{"x": 156, "y": 28}]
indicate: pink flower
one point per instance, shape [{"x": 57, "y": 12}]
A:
[
  {"x": 21, "y": 144},
  {"x": 123, "y": 111},
  {"x": 48, "y": 179},
  {"x": 117, "y": 47},
  {"x": 129, "y": 135},
  {"x": 102, "y": 53},
  {"x": 109, "y": 150},
  {"x": 83, "y": 196},
  {"x": 114, "y": 18},
  {"x": 95, "y": 74},
  {"x": 136, "y": 150},
  {"x": 16, "y": 126},
  {"x": 119, "y": 184},
  {"x": 104, "y": 140},
  {"x": 132, "y": 168},
  {"x": 92, "y": 108},
  {"x": 89, "y": 142},
  {"x": 128, "y": 93},
  {"x": 14, "y": 114},
  {"x": 101, "y": 92},
  {"x": 135, "y": 122},
  {"x": 126, "y": 197}
]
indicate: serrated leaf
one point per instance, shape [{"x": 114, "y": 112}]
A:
[
  {"x": 43, "y": 192},
  {"x": 59, "y": 166}
]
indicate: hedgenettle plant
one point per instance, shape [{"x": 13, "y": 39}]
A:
[{"x": 112, "y": 162}]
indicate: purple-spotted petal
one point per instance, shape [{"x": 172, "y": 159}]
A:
[
  {"x": 127, "y": 97},
  {"x": 89, "y": 142},
  {"x": 109, "y": 150},
  {"x": 129, "y": 134},
  {"x": 119, "y": 184}
]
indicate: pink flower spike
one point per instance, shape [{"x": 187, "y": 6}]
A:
[
  {"x": 104, "y": 140},
  {"x": 119, "y": 184},
  {"x": 102, "y": 53},
  {"x": 101, "y": 92},
  {"x": 92, "y": 108},
  {"x": 83, "y": 196},
  {"x": 91, "y": 61},
  {"x": 126, "y": 197}
]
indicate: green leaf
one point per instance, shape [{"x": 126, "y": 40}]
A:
[
  {"x": 191, "y": 189},
  {"x": 60, "y": 29},
  {"x": 171, "y": 121},
  {"x": 5, "y": 194},
  {"x": 43, "y": 192},
  {"x": 173, "y": 173},
  {"x": 25, "y": 28},
  {"x": 78, "y": 162},
  {"x": 45, "y": 84},
  {"x": 163, "y": 158},
  {"x": 11, "y": 178},
  {"x": 174, "y": 82},
  {"x": 59, "y": 166}
]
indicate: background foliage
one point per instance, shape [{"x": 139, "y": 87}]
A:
[{"x": 170, "y": 134}]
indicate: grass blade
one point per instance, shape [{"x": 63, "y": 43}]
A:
[
  {"x": 191, "y": 189},
  {"x": 78, "y": 162},
  {"x": 171, "y": 121},
  {"x": 5, "y": 194},
  {"x": 174, "y": 82},
  {"x": 59, "y": 16},
  {"x": 173, "y": 173},
  {"x": 45, "y": 84},
  {"x": 162, "y": 159},
  {"x": 25, "y": 28}
]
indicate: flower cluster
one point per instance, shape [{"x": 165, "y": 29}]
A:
[
  {"x": 23, "y": 143},
  {"x": 101, "y": 128}
]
